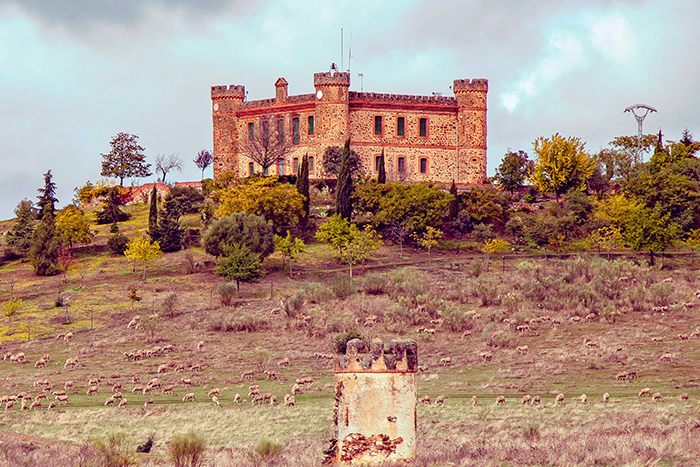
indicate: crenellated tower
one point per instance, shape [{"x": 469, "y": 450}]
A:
[
  {"x": 226, "y": 100},
  {"x": 471, "y": 129},
  {"x": 332, "y": 107}
]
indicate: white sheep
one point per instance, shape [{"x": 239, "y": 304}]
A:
[
  {"x": 606, "y": 398},
  {"x": 559, "y": 399},
  {"x": 214, "y": 391},
  {"x": 290, "y": 401},
  {"x": 440, "y": 400},
  {"x": 527, "y": 398},
  {"x": 656, "y": 396},
  {"x": 123, "y": 403},
  {"x": 584, "y": 399},
  {"x": 236, "y": 398},
  {"x": 684, "y": 396},
  {"x": 52, "y": 405},
  {"x": 35, "y": 405},
  {"x": 535, "y": 400},
  {"x": 148, "y": 402},
  {"x": 189, "y": 397},
  {"x": 92, "y": 390},
  {"x": 475, "y": 401},
  {"x": 215, "y": 400},
  {"x": 425, "y": 400},
  {"x": 500, "y": 400},
  {"x": 645, "y": 392}
]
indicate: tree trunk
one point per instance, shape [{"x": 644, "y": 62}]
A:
[
  {"x": 238, "y": 288},
  {"x": 144, "y": 270},
  {"x": 651, "y": 258}
]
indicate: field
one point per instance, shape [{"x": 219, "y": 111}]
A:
[{"x": 522, "y": 325}]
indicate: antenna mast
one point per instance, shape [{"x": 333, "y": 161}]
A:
[
  {"x": 341, "y": 48},
  {"x": 640, "y": 119},
  {"x": 349, "y": 52}
]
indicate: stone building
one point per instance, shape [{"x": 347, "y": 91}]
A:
[{"x": 424, "y": 138}]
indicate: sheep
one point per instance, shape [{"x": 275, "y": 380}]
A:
[
  {"x": 136, "y": 389},
  {"x": 123, "y": 403},
  {"x": 134, "y": 322},
  {"x": 9, "y": 405},
  {"x": 189, "y": 397},
  {"x": 606, "y": 398},
  {"x": 440, "y": 400},
  {"x": 270, "y": 374},
  {"x": 215, "y": 400},
  {"x": 196, "y": 367},
  {"x": 94, "y": 382},
  {"x": 71, "y": 363},
  {"x": 253, "y": 390},
  {"x": 475, "y": 401},
  {"x": 40, "y": 363},
  {"x": 656, "y": 396},
  {"x": 162, "y": 368},
  {"x": 146, "y": 390},
  {"x": 68, "y": 336},
  {"x": 258, "y": 399},
  {"x": 25, "y": 405},
  {"x": 147, "y": 402},
  {"x": 273, "y": 400},
  {"x": 35, "y": 405},
  {"x": 425, "y": 400},
  {"x": 667, "y": 357},
  {"x": 283, "y": 363},
  {"x": 63, "y": 399},
  {"x": 527, "y": 398},
  {"x": 153, "y": 383},
  {"x": 290, "y": 401},
  {"x": 42, "y": 395},
  {"x": 631, "y": 374},
  {"x": 236, "y": 398},
  {"x": 167, "y": 389},
  {"x": 500, "y": 400},
  {"x": 135, "y": 379},
  {"x": 116, "y": 387},
  {"x": 584, "y": 399},
  {"x": 535, "y": 400},
  {"x": 486, "y": 356},
  {"x": 214, "y": 391},
  {"x": 117, "y": 395},
  {"x": 559, "y": 399},
  {"x": 200, "y": 344},
  {"x": 186, "y": 381},
  {"x": 684, "y": 396},
  {"x": 249, "y": 374},
  {"x": 645, "y": 392},
  {"x": 466, "y": 335},
  {"x": 92, "y": 390},
  {"x": 61, "y": 336},
  {"x": 683, "y": 337},
  {"x": 296, "y": 389},
  {"x": 52, "y": 405},
  {"x": 522, "y": 349},
  {"x": 58, "y": 393},
  {"x": 110, "y": 401},
  {"x": 447, "y": 361}
]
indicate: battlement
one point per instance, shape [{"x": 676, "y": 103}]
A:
[
  {"x": 401, "y": 98},
  {"x": 262, "y": 103},
  {"x": 339, "y": 78},
  {"x": 476, "y": 84},
  {"x": 396, "y": 355},
  {"x": 232, "y": 91}
]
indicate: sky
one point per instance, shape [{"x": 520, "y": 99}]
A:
[{"x": 75, "y": 73}]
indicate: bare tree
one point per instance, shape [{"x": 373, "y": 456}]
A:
[
  {"x": 165, "y": 164},
  {"x": 203, "y": 160},
  {"x": 266, "y": 143}
]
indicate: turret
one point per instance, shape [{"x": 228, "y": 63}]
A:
[
  {"x": 471, "y": 124},
  {"x": 225, "y": 102},
  {"x": 332, "y": 99}
]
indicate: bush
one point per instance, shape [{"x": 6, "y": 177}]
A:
[
  {"x": 267, "y": 449},
  {"x": 340, "y": 341},
  {"x": 169, "y": 304},
  {"x": 342, "y": 286},
  {"x": 409, "y": 283},
  {"x": 227, "y": 291},
  {"x": 375, "y": 283},
  {"x": 113, "y": 452},
  {"x": 483, "y": 232},
  {"x": 187, "y": 450},
  {"x": 316, "y": 292},
  {"x": 118, "y": 243},
  {"x": 293, "y": 305},
  {"x": 245, "y": 229}
]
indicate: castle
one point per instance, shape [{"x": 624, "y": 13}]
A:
[{"x": 424, "y": 138}]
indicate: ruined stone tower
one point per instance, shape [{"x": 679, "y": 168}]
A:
[{"x": 375, "y": 402}]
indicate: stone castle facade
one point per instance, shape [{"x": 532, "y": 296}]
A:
[{"x": 424, "y": 138}]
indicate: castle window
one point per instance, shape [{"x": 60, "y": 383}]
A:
[
  {"x": 280, "y": 167},
  {"x": 311, "y": 163},
  {"x": 400, "y": 126},
  {"x": 251, "y": 168},
  {"x": 251, "y": 131},
  {"x": 377, "y": 163},
  {"x": 378, "y": 125},
  {"x": 423, "y": 127},
  {"x": 295, "y": 165},
  {"x": 295, "y": 130},
  {"x": 266, "y": 171},
  {"x": 401, "y": 166},
  {"x": 423, "y": 165},
  {"x": 311, "y": 125},
  {"x": 280, "y": 132}
]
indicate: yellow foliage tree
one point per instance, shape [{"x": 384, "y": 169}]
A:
[
  {"x": 142, "y": 250},
  {"x": 561, "y": 164},
  {"x": 277, "y": 202},
  {"x": 494, "y": 245},
  {"x": 72, "y": 226},
  {"x": 615, "y": 209}
]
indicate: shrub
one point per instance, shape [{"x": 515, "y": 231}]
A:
[
  {"x": 169, "y": 304},
  {"x": 340, "y": 341},
  {"x": 187, "y": 450},
  {"x": 483, "y": 232},
  {"x": 114, "y": 451},
  {"x": 248, "y": 323},
  {"x": 267, "y": 449},
  {"x": 118, "y": 243},
  {"x": 409, "y": 282},
  {"x": 190, "y": 263},
  {"x": 342, "y": 286},
  {"x": 317, "y": 292},
  {"x": 375, "y": 283},
  {"x": 227, "y": 291},
  {"x": 246, "y": 229},
  {"x": 293, "y": 305}
]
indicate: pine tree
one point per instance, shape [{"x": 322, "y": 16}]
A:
[
  {"x": 111, "y": 213},
  {"x": 303, "y": 183},
  {"x": 454, "y": 202},
  {"x": 343, "y": 190},
  {"x": 169, "y": 230},
  {"x": 47, "y": 195},
  {"x": 19, "y": 238},
  {"x": 46, "y": 244},
  {"x": 381, "y": 176},
  {"x": 153, "y": 215}
]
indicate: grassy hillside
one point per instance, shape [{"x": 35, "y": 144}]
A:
[{"x": 582, "y": 319}]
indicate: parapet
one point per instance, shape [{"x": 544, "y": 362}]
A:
[
  {"x": 339, "y": 78},
  {"x": 395, "y": 355},
  {"x": 232, "y": 91},
  {"x": 401, "y": 98},
  {"x": 477, "y": 84}
]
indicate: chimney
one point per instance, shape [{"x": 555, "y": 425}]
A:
[{"x": 281, "y": 90}]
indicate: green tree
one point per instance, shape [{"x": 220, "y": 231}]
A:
[
  {"x": 72, "y": 226},
  {"x": 10, "y": 308},
  {"x": 651, "y": 230},
  {"x": 303, "y": 185},
  {"x": 494, "y": 245},
  {"x": 19, "y": 238},
  {"x": 561, "y": 164},
  {"x": 247, "y": 229},
  {"x": 278, "y": 202},
  {"x": 335, "y": 232},
  {"x": 289, "y": 248},
  {"x": 111, "y": 212},
  {"x": 513, "y": 171},
  {"x": 153, "y": 215},
  {"x": 142, "y": 250},
  {"x": 359, "y": 246},
  {"x": 333, "y": 158},
  {"x": 381, "y": 175},
  {"x": 125, "y": 159},
  {"x": 43, "y": 252},
  {"x": 607, "y": 238},
  {"x": 239, "y": 263},
  {"x": 47, "y": 195},
  {"x": 453, "y": 207},
  {"x": 343, "y": 189},
  {"x": 429, "y": 240}
]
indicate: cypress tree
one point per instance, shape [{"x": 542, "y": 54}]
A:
[
  {"x": 153, "y": 215},
  {"x": 381, "y": 176},
  {"x": 43, "y": 252},
  {"x": 19, "y": 238},
  {"x": 343, "y": 189},
  {"x": 454, "y": 202},
  {"x": 303, "y": 183}
]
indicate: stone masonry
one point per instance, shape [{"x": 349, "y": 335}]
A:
[{"x": 424, "y": 138}]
